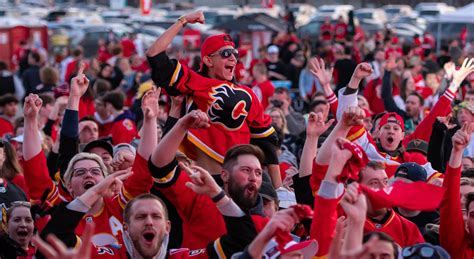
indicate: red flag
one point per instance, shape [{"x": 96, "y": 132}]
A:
[
  {"x": 352, "y": 168},
  {"x": 412, "y": 196},
  {"x": 283, "y": 238},
  {"x": 145, "y": 6}
]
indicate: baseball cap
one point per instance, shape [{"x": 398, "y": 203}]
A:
[
  {"x": 268, "y": 192},
  {"x": 308, "y": 248},
  {"x": 387, "y": 117},
  {"x": 411, "y": 171},
  {"x": 273, "y": 49},
  {"x": 466, "y": 105},
  {"x": 418, "y": 145},
  {"x": 99, "y": 143},
  {"x": 214, "y": 43},
  {"x": 124, "y": 146},
  {"x": 20, "y": 138},
  {"x": 425, "y": 250}
]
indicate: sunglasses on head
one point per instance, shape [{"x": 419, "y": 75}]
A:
[
  {"x": 226, "y": 53},
  {"x": 416, "y": 252}
]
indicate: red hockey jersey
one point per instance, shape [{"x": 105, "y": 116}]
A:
[{"x": 235, "y": 113}]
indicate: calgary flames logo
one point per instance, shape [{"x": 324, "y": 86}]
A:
[{"x": 229, "y": 106}]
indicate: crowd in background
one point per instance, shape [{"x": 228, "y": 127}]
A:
[{"x": 359, "y": 146}]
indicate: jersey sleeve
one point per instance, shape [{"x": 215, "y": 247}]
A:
[
  {"x": 451, "y": 229},
  {"x": 424, "y": 129},
  {"x": 169, "y": 74},
  {"x": 324, "y": 223},
  {"x": 171, "y": 182},
  {"x": 38, "y": 181},
  {"x": 139, "y": 182}
]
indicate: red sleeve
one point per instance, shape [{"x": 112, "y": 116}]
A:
[
  {"x": 6, "y": 127},
  {"x": 139, "y": 182},
  {"x": 424, "y": 129},
  {"x": 123, "y": 131},
  {"x": 19, "y": 180},
  {"x": 333, "y": 103},
  {"x": 317, "y": 176},
  {"x": 451, "y": 230},
  {"x": 324, "y": 223},
  {"x": 37, "y": 179}
]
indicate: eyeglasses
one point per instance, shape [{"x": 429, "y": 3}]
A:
[
  {"x": 80, "y": 172},
  {"x": 423, "y": 252},
  {"x": 226, "y": 53}
]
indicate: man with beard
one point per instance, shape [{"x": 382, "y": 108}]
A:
[
  {"x": 241, "y": 174},
  {"x": 146, "y": 223}
]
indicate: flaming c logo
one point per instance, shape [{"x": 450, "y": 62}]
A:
[{"x": 229, "y": 106}]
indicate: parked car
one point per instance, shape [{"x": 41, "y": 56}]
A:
[
  {"x": 333, "y": 11},
  {"x": 371, "y": 15},
  {"x": 395, "y": 11}
]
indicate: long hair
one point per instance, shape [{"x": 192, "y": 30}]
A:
[{"x": 11, "y": 166}]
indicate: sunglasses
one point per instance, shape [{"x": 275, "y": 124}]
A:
[
  {"x": 414, "y": 252},
  {"x": 226, "y": 53}
]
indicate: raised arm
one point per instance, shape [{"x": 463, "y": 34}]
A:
[
  {"x": 351, "y": 117},
  {"x": 315, "y": 127},
  {"x": 69, "y": 136},
  {"x": 452, "y": 227},
  {"x": 35, "y": 167},
  {"x": 319, "y": 70},
  {"x": 348, "y": 96},
  {"x": 355, "y": 206},
  {"x": 387, "y": 96},
  {"x": 327, "y": 198},
  {"x": 150, "y": 111},
  {"x": 162, "y": 43},
  {"x": 165, "y": 151},
  {"x": 32, "y": 137}
]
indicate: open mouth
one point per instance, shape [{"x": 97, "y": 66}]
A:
[
  {"x": 88, "y": 185},
  {"x": 22, "y": 233},
  {"x": 149, "y": 236},
  {"x": 390, "y": 140},
  {"x": 229, "y": 68},
  {"x": 251, "y": 189}
]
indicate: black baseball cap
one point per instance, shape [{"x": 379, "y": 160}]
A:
[
  {"x": 268, "y": 192},
  {"x": 418, "y": 145},
  {"x": 412, "y": 171},
  {"x": 99, "y": 143}
]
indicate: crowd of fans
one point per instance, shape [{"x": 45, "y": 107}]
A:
[{"x": 366, "y": 153}]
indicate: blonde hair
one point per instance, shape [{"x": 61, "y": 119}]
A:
[
  {"x": 282, "y": 115},
  {"x": 79, "y": 157}
]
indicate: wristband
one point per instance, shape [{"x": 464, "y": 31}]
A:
[
  {"x": 218, "y": 197},
  {"x": 183, "y": 20}
]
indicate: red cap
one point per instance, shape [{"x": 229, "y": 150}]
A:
[
  {"x": 386, "y": 119},
  {"x": 395, "y": 40},
  {"x": 214, "y": 43}
]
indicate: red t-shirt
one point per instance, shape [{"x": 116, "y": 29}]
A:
[
  {"x": 128, "y": 48},
  {"x": 264, "y": 91},
  {"x": 6, "y": 127},
  {"x": 340, "y": 31},
  {"x": 326, "y": 30}
]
